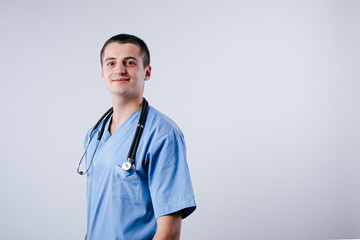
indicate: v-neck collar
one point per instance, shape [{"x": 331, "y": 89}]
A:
[{"x": 123, "y": 127}]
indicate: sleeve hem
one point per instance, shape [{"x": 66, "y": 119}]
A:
[{"x": 187, "y": 207}]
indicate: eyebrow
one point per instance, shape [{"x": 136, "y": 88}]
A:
[
  {"x": 112, "y": 58},
  {"x": 127, "y": 58}
]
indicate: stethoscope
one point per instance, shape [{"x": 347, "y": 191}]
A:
[{"x": 129, "y": 163}]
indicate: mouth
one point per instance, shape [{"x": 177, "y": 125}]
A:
[{"x": 121, "y": 79}]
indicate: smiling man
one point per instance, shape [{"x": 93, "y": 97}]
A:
[{"x": 149, "y": 198}]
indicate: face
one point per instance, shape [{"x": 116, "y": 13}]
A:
[{"x": 123, "y": 71}]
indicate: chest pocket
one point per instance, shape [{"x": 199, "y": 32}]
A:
[{"x": 125, "y": 184}]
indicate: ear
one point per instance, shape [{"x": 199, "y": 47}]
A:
[
  {"x": 147, "y": 73},
  {"x": 102, "y": 75}
]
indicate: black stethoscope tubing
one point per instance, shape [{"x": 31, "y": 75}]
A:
[{"x": 129, "y": 163}]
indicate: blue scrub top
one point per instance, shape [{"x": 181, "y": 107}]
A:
[{"x": 125, "y": 204}]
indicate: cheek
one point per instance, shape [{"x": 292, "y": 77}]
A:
[
  {"x": 106, "y": 75},
  {"x": 140, "y": 75}
]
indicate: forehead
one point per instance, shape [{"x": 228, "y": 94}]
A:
[{"x": 120, "y": 50}]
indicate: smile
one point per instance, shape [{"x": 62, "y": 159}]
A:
[{"x": 120, "y": 79}]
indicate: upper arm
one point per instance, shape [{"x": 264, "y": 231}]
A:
[{"x": 168, "y": 226}]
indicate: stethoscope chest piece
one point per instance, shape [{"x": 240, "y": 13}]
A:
[{"x": 127, "y": 166}]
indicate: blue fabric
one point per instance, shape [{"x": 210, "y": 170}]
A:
[{"x": 125, "y": 204}]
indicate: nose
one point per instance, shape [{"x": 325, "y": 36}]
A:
[{"x": 120, "y": 69}]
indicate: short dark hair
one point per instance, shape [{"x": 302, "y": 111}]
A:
[{"x": 128, "y": 38}]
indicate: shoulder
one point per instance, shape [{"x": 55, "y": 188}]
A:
[
  {"x": 161, "y": 124},
  {"x": 161, "y": 131},
  {"x": 87, "y": 136}
]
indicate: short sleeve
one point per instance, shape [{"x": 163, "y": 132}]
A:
[{"x": 169, "y": 178}]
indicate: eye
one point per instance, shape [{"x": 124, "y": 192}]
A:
[
  {"x": 110, "y": 64},
  {"x": 130, "y": 63}
]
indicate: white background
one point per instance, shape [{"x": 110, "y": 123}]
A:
[{"x": 266, "y": 93}]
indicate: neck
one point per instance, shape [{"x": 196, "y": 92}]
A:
[{"x": 123, "y": 109}]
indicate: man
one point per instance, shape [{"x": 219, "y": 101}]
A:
[{"x": 149, "y": 200}]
